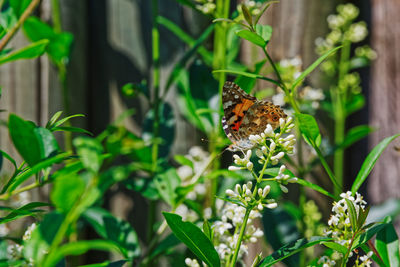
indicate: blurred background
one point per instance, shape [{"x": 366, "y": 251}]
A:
[{"x": 112, "y": 47}]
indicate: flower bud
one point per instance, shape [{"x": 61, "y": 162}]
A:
[
  {"x": 248, "y": 192},
  {"x": 282, "y": 123},
  {"x": 272, "y": 146},
  {"x": 269, "y": 131},
  {"x": 284, "y": 188},
  {"x": 260, "y": 192},
  {"x": 238, "y": 189},
  {"x": 266, "y": 191},
  {"x": 272, "y": 205},
  {"x": 249, "y": 185},
  {"x": 260, "y": 207},
  {"x": 234, "y": 168},
  {"x": 249, "y": 165},
  {"x": 230, "y": 193}
]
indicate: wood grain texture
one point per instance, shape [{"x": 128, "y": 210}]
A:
[{"x": 384, "y": 182}]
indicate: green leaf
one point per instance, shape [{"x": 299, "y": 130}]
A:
[
  {"x": 354, "y": 104},
  {"x": 247, "y": 15},
  {"x": 63, "y": 120},
  {"x": 315, "y": 187},
  {"x": 47, "y": 142},
  {"x": 66, "y": 191},
  {"x": 352, "y": 215},
  {"x": 60, "y": 43},
  {"x": 33, "y": 50},
  {"x": 37, "y": 246},
  {"x": 26, "y": 210},
  {"x": 367, "y": 235},
  {"x": 309, "y": 129},
  {"x": 19, "y": 6},
  {"x": 387, "y": 245},
  {"x": 280, "y": 228},
  {"x": 362, "y": 217},
  {"x": 183, "y": 160},
  {"x": 89, "y": 151},
  {"x": 252, "y": 37},
  {"x": 23, "y": 176},
  {"x": 370, "y": 161},
  {"x": 166, "y": 128},
  {"x": 166, "y": 184},
  {"x": 265, "y": 31},
  {"x": 207, "y": 229},
  {"x": 71, "y": 129},
  {"x": 114, "y": 229},
  {"x": 248, "y": 74},
  {"x": 79, "y": 248},
  {"x": 193, "y": 238},
  {"x": 304, "y": 74},
  {"x": 355, "y": 134},
  {"x": 25, "y": 140},
  {"x": 5, "y": 155},
  {"x": 335, "y": 246},
  {"x": 145, "y": 186},
  {"x": 53, "y": 119},
  {"x": 291, "y": 249},
  {"x": 166, "y": 246}
]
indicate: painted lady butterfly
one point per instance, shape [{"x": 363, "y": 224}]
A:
[{"x": 244, "y": 115}]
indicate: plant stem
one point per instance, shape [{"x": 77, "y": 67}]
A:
[
  {"x": 327, "y": 168},
  {"x": 156, "y": 80},
  {"x": 55, "y": 5},
  {"x": 339, "y": 101},
  {"x": 289, "y": 94},
  {"x": 28, "y": 11},
  {"x": 345, "y": 258},
  {"x": 241, "y": 234},
  {"x": 7, "y": 195}
]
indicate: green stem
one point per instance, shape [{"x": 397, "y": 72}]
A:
[
  {"x": 7, "y": 195},
  {"x": 289, "y": 94},
  {"x": 241, "y": 234},
  {"x": 28, "y": 11},
  {"x": 327, "y": 168},
  {"x": 339, "y": 101},
  {"x": 156, "y": 80},
  {"x": 345, "y": 258},
  {"x": 55, "y": 5}
]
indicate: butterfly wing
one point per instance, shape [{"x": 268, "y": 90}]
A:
[
  {"x": 258, "y": 116},
  {"x": 236, "y": 103}
]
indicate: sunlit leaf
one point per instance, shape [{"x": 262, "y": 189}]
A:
[
  {"x": 33, "y": 50},
  {"x": 291, "y": 249},
  {"x": 370, "y": 161},
  {"x": 193, "y": 238}
]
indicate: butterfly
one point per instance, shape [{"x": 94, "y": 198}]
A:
[{"x": 244, "y": 115}]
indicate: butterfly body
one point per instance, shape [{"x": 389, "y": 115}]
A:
[{"x": 244, "y": 115}]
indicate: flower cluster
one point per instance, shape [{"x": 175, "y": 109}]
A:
[
  {"x": 253, "y": 6},
  {"x": 206, "y": 6},
  {"x": 343, "y": 28},
  {"x": 225, "y": 240},
  {"x": 15, "y": 251},
  {"x": 274, "y": 146},
  {"x": 340, "y": 228},
  {"x": 312, "y": 220},
  {"x": 199, "y": 159},
  {"x": 283, "y": 179},
  {"x": 245, "y": 195}
]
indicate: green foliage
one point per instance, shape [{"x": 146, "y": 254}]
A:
[
  {"x": 82, "y": 173},
  {"x": 292, "y": 248},
  {"x": 33, "y": 50},
  {"x": 194, "y": 238}
]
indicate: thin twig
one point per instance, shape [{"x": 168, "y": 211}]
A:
[{"x": 4, "y": 41}]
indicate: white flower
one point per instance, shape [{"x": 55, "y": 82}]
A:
[
  {"x": 357, "y": 32},
  {"x": 278, "y": 99},
  {"x": 348, "y": 11},
  {"x": 191, "y": 262},
  {"x": 4, "y": 230},
  {"x": 28, "y": 233},
  {"x": 335, "y": 21},
  {"x": 326, "y": 261}
]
